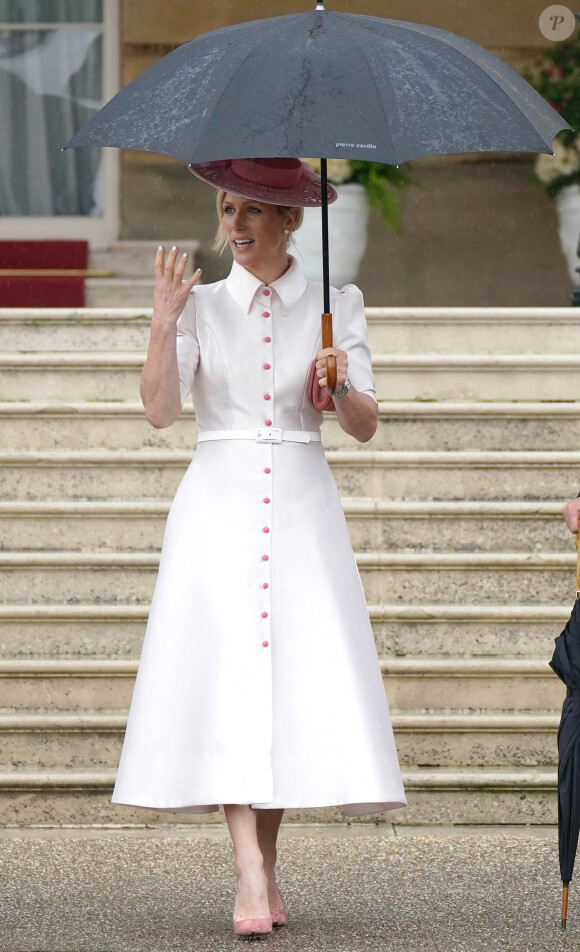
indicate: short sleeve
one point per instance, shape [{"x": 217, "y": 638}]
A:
[
  {"x": 187, "y": 347},
  {"x": 350, "y": 334}
]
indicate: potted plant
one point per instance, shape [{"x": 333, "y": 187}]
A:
[
  {"x": 557, "y": 77},
  {"x": 359, "y": 185}
]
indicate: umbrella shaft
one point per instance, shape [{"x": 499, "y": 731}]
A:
[{"x": 325, "y": 266}]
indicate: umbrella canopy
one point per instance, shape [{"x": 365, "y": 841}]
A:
[
  {"x": 335, "y": 85},
  {"x": 566, "y": 663}
]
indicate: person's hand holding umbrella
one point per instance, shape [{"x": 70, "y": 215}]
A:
[
  {"x": 571, "y": 513},
  {"x": 341, "y": 366}
]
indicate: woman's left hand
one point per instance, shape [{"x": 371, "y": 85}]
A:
[{"x": 341, "y": 367}]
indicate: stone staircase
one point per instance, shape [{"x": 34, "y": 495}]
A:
[{"x": 454, "y": 512}]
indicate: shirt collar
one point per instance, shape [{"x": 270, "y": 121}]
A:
[{"x": 243, "y": 286}]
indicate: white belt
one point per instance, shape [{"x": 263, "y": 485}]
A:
[{"x": 263, "y": 434}]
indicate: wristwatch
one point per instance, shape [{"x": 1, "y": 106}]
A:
[{"x": 343, "y": 390}]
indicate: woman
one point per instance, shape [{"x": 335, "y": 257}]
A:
[{"x": 258, "y": 686}]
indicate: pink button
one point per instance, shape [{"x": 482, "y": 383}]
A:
[
  {"x": 267, "y": 470},
  {"x": 265, "y": 585},
  {"x": 265, "y": 644},
  {"x": 265, "y": 529},
  {"x": 268, "y": 340},
  {"x": 267, "y": 366},
  {"x": 264, "y": 614},
  {"x": 266, "y": 292},
  {"x": 266, "y": 396},
  {"x": 268, "y": 423},
  {"x": 266, "y": 499},
  {"x": 265, "y": 558},
  {"x": 265, "y": 314}
]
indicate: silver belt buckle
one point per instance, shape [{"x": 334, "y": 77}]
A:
[{"x": 269, "y": 434}]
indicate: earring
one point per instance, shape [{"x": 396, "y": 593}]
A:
[{"x": 286, "y": 232}]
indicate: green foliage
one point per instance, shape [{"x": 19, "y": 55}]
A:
[{"x": 381, "y": 182}]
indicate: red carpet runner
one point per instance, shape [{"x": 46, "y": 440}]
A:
[{"x": 29, "y": 273}]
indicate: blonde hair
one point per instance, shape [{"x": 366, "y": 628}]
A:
[{"x": 220, "y": 242}]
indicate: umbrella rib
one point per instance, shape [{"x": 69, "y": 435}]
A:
[
  {"x": 507, "y": 80},
  {"x": 251, "y": 52},
  {"x": 210, "y": 113},
  {"x": 387, "y": 127}
]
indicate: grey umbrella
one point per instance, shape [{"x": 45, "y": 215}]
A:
[{"x": 335, "y": 85}]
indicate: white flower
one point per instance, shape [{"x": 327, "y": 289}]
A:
[
  {"x": 565, "y": 161},
  {"x": 339, "y": 170},
  {"x": 546, "y": 168},
  {"x": 567, "y": 158}
]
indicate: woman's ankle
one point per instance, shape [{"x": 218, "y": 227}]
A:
[{"x": 249, "y": 866}]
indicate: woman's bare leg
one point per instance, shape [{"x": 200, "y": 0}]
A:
[
  {"x": 268, "y": 824},
  {"x": 252, "y": 895}
]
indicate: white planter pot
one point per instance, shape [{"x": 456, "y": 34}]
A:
[
  {"x": 568, "y": 208},
  {"x": 347, "y": 227}
]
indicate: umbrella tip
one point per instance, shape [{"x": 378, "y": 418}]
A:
[{"x": 563, "y": 923}]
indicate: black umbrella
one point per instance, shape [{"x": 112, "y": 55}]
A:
[
  {"x": 335, "y": 85},
  {"x": 566, "y": 663}
]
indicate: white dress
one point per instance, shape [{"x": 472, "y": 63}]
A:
[{"x": 259, "y": 681}]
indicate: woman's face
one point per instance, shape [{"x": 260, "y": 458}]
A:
[{"x": 255, "y": 231}]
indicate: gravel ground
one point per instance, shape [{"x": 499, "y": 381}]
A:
[{"x": 120, "y": 892}]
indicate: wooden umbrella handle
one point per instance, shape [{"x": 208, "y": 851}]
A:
[
  {"x": 577, "y": 540},
  {"x": 331, "y": 359},
  {"x": 564, "y": 914}
]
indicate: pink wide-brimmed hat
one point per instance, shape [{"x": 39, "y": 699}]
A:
[{"x": 275, "y": 181}]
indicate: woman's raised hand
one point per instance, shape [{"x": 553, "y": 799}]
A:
[{"x": 171, "y": 291}]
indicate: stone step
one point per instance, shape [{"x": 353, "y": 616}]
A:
[
  {"x": 115, "y": 631},
  {"x": 391, "y": 330},
  {"x": 28, "y": 330},
  {"x": 452, "y": 685},
  {"x": 104, "y": 375},
  {"x": 88, "y": 740},
  {"x": 114, "y": 375},
  {"x": 468, "y": 629},
  {"x": 474, "y": 330},
  {"x": 462, "y": 795},
  {"x": 138, "y": 525},
  {"x": 469, "y": 425},
  {"x": 137, "y": 258},
  {"x": 91, "y": 425},
  {"x": 44, "y": 577},
  {"x": 403, "y": 426},
  {"x": 421, "y": 376},
  {"x": 476, "y": 739},
  {"x": 119, "y": 292},
  {"x": 413, "y": 476}
]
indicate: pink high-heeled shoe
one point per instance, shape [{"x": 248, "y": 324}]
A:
[
  {"x": 279, "y": 916},
  {"x": 253, "y": 928}
]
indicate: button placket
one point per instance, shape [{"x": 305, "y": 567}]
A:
[
  {"x": 264, "y": 356},
  {"x": 265, "y": 585}
]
